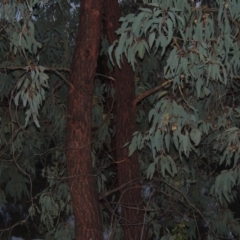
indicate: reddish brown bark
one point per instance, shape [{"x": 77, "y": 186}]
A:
[
  {"x": 81, "y": 180},
  {"x": 128, "y": 168}
]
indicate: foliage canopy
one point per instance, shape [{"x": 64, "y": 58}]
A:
[{"x": 186, "y": 59}]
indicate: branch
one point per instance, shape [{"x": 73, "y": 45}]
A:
[
  {"x": 56, "y": 70},
  {"x": 63, "y": 78},
  {"x": 150, "y": 91},
  {"x": 105, "y": 76},
  {"x": 24, "y": 68},
  {"x": 104, "y": 195}
]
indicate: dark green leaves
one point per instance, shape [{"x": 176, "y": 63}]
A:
[
  {"x": 31, "y": 90},
  {"x": 195, "y": 135}
]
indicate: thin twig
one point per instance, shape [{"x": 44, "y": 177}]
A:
[{"x": 105, "y": 76}]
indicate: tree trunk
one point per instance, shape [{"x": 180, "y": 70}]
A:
[
  {"x": 128, "y": 168},
  {"x": 79, "y": 109}
]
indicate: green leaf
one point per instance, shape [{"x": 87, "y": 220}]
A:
[
  {"x": 175, "y": 139},
  {"x": 185, "y": 144},
  {"x": 206, "y": 91},
  {"x": 181, "y": 20},
  {"x": 162, "y": 93},
  {"x": 110, "y": 49},
  {"x": 151, "y": 114},
  {"x": 199, "y": 85},
  {"x": 158, "y": 141},
  {"x": 167, "y": 141},
  {"x": 16, "y": 98},
  {"x": 164, "y": 163},
  {"x": 118, "y": 53},
  {"x": 150, "y": 170},
  {"x": 141, "y": 49},
  {"x": 151, "y": 39},
  {"x": 170, "y": 30},
  {"x": 137, "y": 22},
  {"x": 195, "y": 135},
  {"x": 173, "y": 165},
  {"x": 147, "y": 10},
  {"x": 133, "y": 145}
]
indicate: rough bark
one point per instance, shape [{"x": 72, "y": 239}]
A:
[
  {"x": 128, "y": 168},
  {"x": 79, "y": 109}
]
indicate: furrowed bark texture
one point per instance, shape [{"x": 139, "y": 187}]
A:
[
  {"x": 79, "y": 109},
  {"x": 128, "y": 168}
]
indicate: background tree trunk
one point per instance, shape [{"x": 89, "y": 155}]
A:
[
  {"x": 128, "y": 168},
  {"x": 80, "y": 172}
]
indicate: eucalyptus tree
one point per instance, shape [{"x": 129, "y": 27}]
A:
[
  {"x": 186, "y": 61},
  {"x": 79, "y": 111},
  {"x": 36, "y": 51},
  {"x": 128, "y": 170},
  {"x": 39, "y": 91}
]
